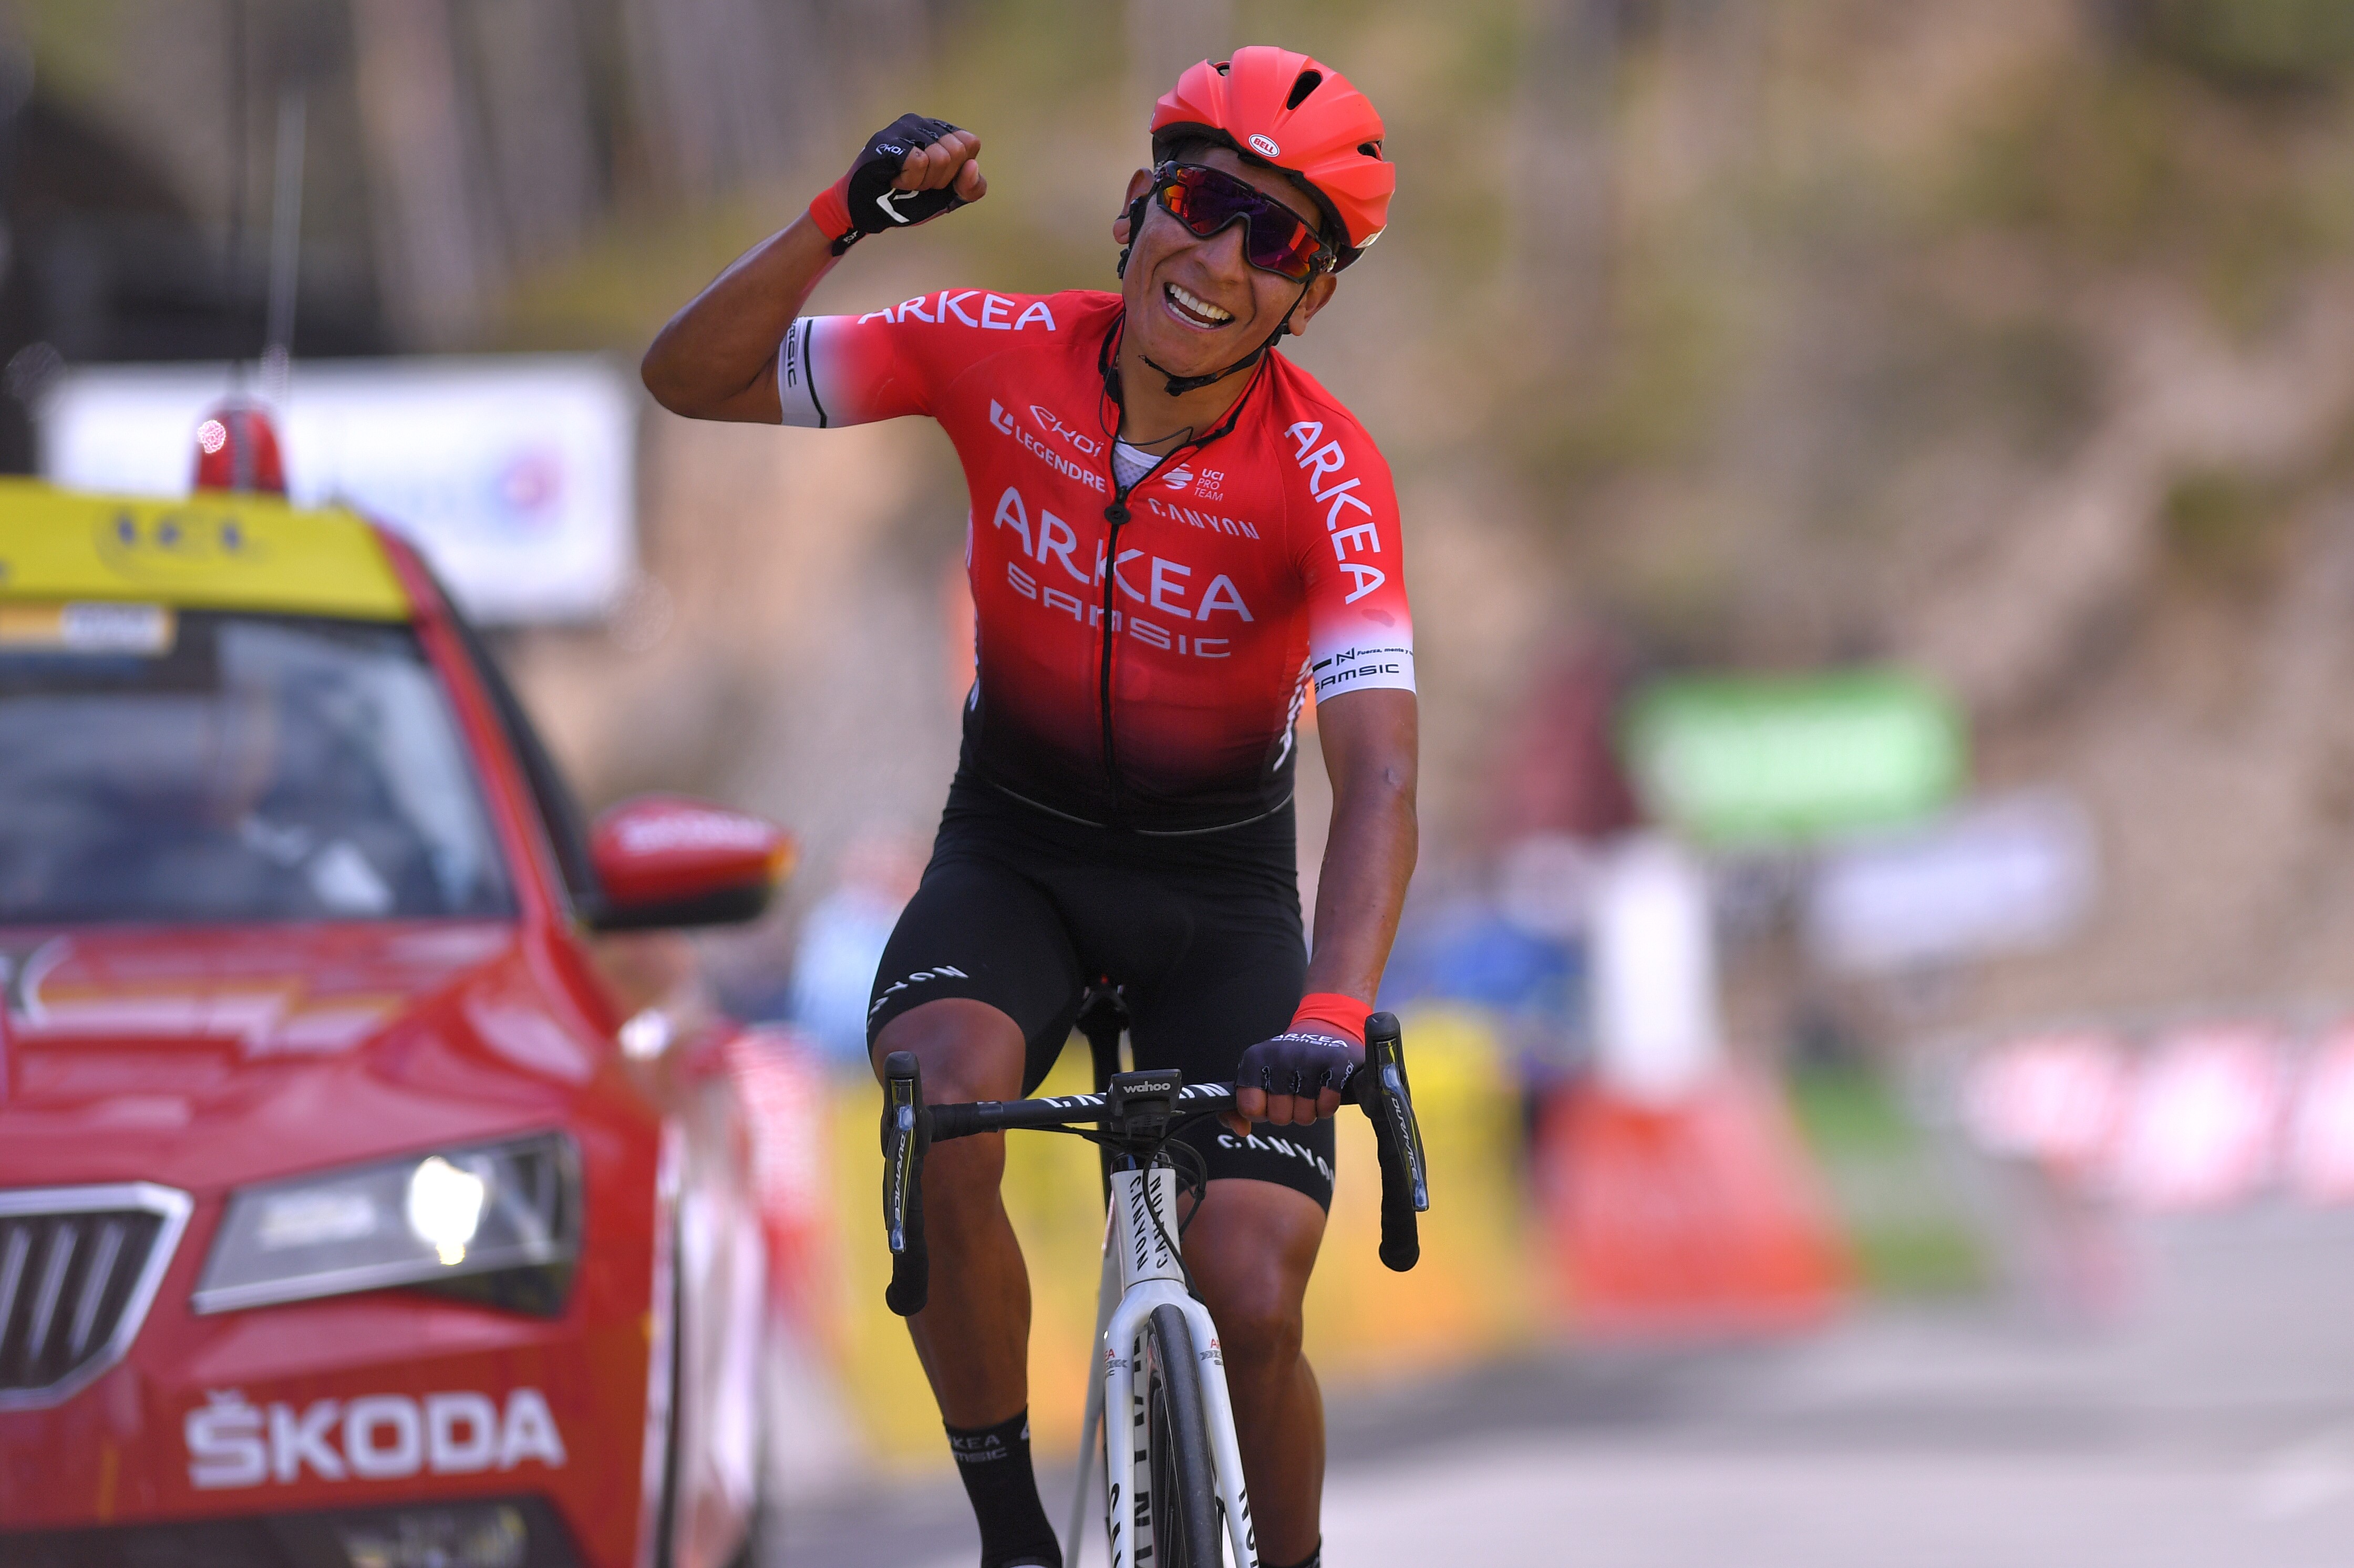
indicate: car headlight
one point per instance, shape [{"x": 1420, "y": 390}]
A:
[{"x": 496, "y": 1221}]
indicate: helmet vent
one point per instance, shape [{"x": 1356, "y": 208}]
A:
[
  {"x": 1307, "y": 82},
  {"x": 1370, "y": 149},
  {"x": 1223, "y": 65}
]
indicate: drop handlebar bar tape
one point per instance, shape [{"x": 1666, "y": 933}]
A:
[{"x": 906, "y": 1137}]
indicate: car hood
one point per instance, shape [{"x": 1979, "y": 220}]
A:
[{"x": 206, "y": 1058}]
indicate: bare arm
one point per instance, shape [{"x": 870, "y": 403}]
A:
[
  {"x": 1369, "y": 743},
  {"x": 717, "y": 359},
  {"x": 1370, "y": 746}
]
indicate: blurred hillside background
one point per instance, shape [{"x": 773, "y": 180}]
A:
[
  {"x": 2009, "y": 341},
  {"x": 1984, "y": 365}
]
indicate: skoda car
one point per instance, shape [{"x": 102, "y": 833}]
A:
[{"x": 361, "y": 1204}]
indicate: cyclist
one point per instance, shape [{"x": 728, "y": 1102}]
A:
[{"x": 1176, "y": 539}]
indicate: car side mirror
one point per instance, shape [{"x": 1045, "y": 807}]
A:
[{"x": 664, "y": 860}]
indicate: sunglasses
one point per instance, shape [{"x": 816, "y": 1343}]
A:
[{"x": 1274, "y": 238}]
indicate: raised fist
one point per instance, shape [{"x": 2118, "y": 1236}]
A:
[{"x": 911, "y": 171}]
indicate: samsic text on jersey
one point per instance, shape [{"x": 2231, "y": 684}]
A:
[{"x": 1145, "y": 672}]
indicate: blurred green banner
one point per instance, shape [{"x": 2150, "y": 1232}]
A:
[{"x": 1760, "y": 760}]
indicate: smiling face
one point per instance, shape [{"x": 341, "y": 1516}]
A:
[{"x": 1196, "y": 305}]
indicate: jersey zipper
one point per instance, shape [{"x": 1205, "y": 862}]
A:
[
  {"x": 1118, "y": 514},
  {"x": 1115, "y": 514}
]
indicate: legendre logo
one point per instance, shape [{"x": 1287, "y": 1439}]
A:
[{"x": 1068, "y": 467}]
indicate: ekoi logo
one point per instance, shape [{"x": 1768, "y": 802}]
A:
[
  {"x": 1061, "y": 463},
  {"x": 1051, "y": 423}
]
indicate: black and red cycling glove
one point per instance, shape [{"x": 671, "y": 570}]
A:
[
  {"x": 863, "y": 202},
  {"x": 1325, "y": 1043}
]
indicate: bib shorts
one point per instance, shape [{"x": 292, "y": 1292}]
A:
[{"x": 1024, "y": 909}]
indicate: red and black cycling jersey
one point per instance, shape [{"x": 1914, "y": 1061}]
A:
[{"x": 1142, "y": 654}]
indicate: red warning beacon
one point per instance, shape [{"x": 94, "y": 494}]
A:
[{"x": 237, "y": 449}]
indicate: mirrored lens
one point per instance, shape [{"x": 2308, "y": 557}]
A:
[{"x": 1274, "y": 237}]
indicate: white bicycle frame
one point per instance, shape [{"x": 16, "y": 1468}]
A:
[{"x": 1139, "y": 1260}]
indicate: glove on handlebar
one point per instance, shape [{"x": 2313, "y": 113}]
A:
[
  {"x": 1337, "y": 1013},
  {"x": 863, "y": 201},
  {"x": 1299, "y": 1062}
]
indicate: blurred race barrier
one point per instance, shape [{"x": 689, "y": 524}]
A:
[
  {"x": 1700, "y": 1215},
  {"x": 1484, "y": 1280},
  {"x": 1478, "y": 1289},
  {"x": 2201, "y": 1115}
]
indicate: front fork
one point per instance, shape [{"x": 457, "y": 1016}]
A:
[
  {"x": 1150, "y": 1277},
  {"x": 1218, "y": 1408}
]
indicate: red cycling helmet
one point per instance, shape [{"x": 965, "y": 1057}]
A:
[{"x": 1291, "y": 112}]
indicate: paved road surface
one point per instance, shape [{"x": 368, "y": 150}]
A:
[{"x": 2212, "y": 1424}]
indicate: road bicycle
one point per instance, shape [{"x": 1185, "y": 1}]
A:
[{"x": 1182, "y": 1487}]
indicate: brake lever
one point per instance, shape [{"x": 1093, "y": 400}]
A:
[
  {"x": 1391, "y": 1100},
  {"x": 906, "y": 1137},
  {"x": 1381, "y": 1090}
]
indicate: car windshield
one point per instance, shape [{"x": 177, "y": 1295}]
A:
[{"x": 204, "y": 766}]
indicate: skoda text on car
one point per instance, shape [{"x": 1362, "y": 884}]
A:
[{"x": 352, "y": 1207}]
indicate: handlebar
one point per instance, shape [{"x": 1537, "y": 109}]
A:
[{"x": 910, "y": 1128}]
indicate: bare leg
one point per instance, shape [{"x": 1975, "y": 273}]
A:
[
  {"x": 973, "y": 1336},
  {"x": 1251, "y": 1246}
]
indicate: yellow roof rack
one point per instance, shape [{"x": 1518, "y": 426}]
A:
[{"x": 211, "y": 551}]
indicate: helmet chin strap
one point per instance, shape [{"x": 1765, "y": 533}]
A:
[{"x": 1178, "y": 386}]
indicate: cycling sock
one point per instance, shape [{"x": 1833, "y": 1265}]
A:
[
  {"x": 1313, "y": 1560},
  {"x": 994, "y": 1464}
]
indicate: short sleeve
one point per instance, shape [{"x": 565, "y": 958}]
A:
[
  {"x": 887, "y": 363},
  {"x": 1352, "y": 557},
  {"x": 848, "y": 370}
]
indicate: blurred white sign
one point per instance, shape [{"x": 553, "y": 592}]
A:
[
  {"x": 513, "y": 474},
  {"x": 1657, "y": 1034},
  {"x": 2012, "y": 874}
]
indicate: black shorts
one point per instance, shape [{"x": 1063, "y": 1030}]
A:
[{"x": 1024, "y": 910}]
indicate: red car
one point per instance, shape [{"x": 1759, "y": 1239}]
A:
[{"x": 361, "y": 1201}]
